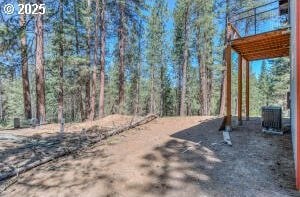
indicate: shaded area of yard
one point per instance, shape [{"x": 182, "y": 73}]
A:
[
  {"x": 171, "y": 157},
  {"x": 22, "y": 147}
]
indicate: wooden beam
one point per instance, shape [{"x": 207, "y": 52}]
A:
[
  {"x": 257, "y": 49},
  {"x": 234, "y": 31},
  {"x": 228, "y": 88},
  {"x": 281, "y": 50},
  {"x": 268, "y": 35},
  {"x": 268, "y": 56},
  {"x": 240, "y": 88},
  {"x": 261, "y": 42},
  {"x": 247, "y": 89}
]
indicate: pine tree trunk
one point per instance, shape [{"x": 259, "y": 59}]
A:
[
  {"x": 183, "y": 90},
  {"x": 222, "y": 106},
  {"x": 185, "y": 63},
  {"x": 188, "y": 93},
  {"x": 138, "y": 75},
  {"x": 223, "y": 92},
  {"x": 178, "y": 91},
  {"x": 152, "y": 90},
  {"x": 162, "y": 79},
  {"x": 205, "y": 76},
  {"x": 80, "y": 100},
  {"x": 88, "y": 80},
  {"x": 94, "y": 74},
  {"x": 73, "y": 107},
  {"x": 137, "y": 90},
  {"x": 24, "y": 62},
  {"x": 162, "y": 84},
  {"x": 102, "y": 60},
  {"x": 200, "y": 75},
  {"x": 61, "y": 66},
  {"x": 87, "y": 95},
  {"x": 79, "y": 78},
  {"x": 210, "y": 89},
  {"x": 40, "y": 70},
  {"x": 203, "y": 89},
  {"x": 201, "y": 68},
  {"x": 121, "y": 31}
]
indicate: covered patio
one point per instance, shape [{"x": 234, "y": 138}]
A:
[
  {"x": 268, "y": 45},
  {"x": 251, "y": 36}
]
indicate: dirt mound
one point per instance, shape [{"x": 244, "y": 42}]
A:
[{"x": 44, "y": 130}]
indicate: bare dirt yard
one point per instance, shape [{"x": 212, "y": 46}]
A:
[{"x": 174, "y": 157}]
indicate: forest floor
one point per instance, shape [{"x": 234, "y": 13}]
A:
[{"x": 176, "y": 157}]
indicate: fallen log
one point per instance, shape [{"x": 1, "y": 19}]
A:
[
  {"x": 8, "y": 184},
  {"x": 145, "y": 120},
  {"x": 67, "y": 151}
]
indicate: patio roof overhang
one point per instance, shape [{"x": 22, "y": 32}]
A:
[{"x": 263, "y": 46}]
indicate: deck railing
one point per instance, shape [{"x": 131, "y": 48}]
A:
[{"x": 261, "y": 19}]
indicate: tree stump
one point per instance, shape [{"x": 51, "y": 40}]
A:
[{"x": 17, "y": 123}]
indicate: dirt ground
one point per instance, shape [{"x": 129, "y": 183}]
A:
[{"x": 174, "y": 157}]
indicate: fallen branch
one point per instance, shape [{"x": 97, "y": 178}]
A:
[
  {"x": 8, "y": 184},
  {"x": 68, "y": 151},
  {"x": 145, "y": 120}
]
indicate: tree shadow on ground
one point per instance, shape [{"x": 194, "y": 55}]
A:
[
  {"x": 70, "y": 176},
  {"x": 23, "y": 151},
  {"x": 20, "y": 151},
  {"x": 195, "y": 162}
]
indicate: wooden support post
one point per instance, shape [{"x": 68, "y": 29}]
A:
[
  {"x": 247, "y": 89},
  {"x": 240, "y": 89},
  {"x": 228, "y": 88}
]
